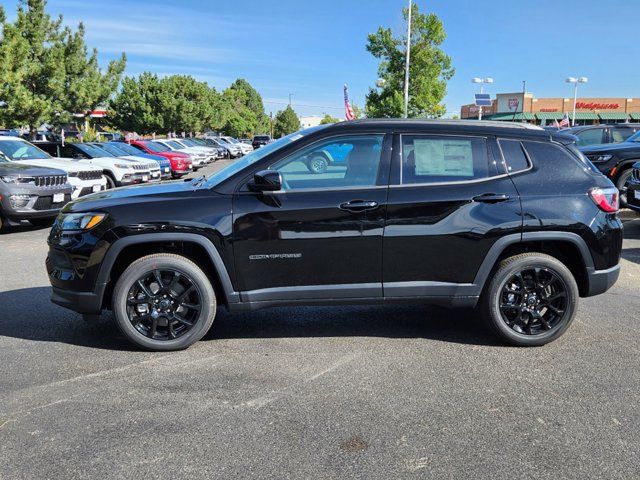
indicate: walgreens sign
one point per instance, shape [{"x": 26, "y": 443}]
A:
[{"x": 597, "y": 106}]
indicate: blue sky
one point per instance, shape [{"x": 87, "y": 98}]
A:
[{"x": 310, "y": 48}]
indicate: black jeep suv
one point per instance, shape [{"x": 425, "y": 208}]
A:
[{"x": 509, "y": 218}]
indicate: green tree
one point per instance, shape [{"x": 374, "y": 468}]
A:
[
  {"x": 430, "y": 69},
  {"x": 286, "y": 122},
  {"x": 243, "y": 110},
  {"x": 86, "y": 86},
  {"x": 186, "y": 104},
  {"x": 46, "y": 74},
  {"x": 137, "y": 106},
  {"x": 31, "y": 66},
  {"x": 357, "y": 111},
  {"x": 328, "y": 119}
]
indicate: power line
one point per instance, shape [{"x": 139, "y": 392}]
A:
[{"x": 302, "y": 105}]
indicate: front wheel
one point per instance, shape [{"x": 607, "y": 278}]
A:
[
  {"x": 111, "y": 183},
  {"x": 317, "y": 164},
  {"x": 623, "y": 184},
  {"x": 164, "y": 302},
  {"x": 531, "y": 300}
]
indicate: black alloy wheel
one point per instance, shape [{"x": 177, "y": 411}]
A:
[
  {"x": 164, "y": 304},
  {"x": 533, "y": 301},
  {"x": 530, "y": 300},
  {"x": 623, "y": 185}
]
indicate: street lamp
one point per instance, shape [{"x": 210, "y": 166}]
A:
[
  {"x": 481, "y": 81},
  {"x": 575, "y": 82}
]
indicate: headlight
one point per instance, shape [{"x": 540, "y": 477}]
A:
[
  {"x": 80, "y": 221},
  {"x": 122, "y": 165},
  {"x": 599, "y": 158},
  {"x": 16, "y": 179}
]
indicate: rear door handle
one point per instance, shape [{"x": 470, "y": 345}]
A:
[
  {"x": 358, "y": 205},
  {"x": 492, "y": 198}
]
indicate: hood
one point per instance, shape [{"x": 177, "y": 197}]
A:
[
  {"x": 611, "y": 147},
  {"x": 128, "y": 195},
  {"x": 175, "y": 154},
  {"x": 147, "y": 156},
  {"x": 23, "y": 170},
  {"x": 68, "y": 165}
]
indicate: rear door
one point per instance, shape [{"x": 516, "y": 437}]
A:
[{"x": 450, "y": 199}]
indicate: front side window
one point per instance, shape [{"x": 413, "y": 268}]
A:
[
  {"x": 440, "y": 159},
  {"x": 156, "y": 147},
  {"x": 338, "y": 162},
  {"x": 592, "y": 136}
]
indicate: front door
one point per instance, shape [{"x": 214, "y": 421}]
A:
[
  {"x": 449, "y": 201},
  {"x": 321, "y": 235}
]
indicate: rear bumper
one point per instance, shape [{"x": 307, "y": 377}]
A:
[{"x": 602, "y": 280}]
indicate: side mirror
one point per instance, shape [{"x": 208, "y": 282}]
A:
[{"x": 266, "y": 181}]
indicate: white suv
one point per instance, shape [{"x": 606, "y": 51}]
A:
[
  {"x": 84, "y": 179},
  {"x": 244, "y": 147},
  {"x": 199, "y": 157}
]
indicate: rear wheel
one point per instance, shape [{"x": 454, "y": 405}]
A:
[
  {"x": 531, "y": 299},
  {"x": 164, "y": 302},
  {"x": 623, "y": 184}
]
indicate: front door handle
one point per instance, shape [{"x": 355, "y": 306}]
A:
[
  {"x": 492, "y": 198},
  {"x": 358, "y": 205}
]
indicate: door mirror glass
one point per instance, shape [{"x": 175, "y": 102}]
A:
[{"x": 266, "y": 181}]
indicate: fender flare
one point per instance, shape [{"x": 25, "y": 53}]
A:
[
  {"x": 501, "y": 244},
  {"x": 116, "y": 248}
]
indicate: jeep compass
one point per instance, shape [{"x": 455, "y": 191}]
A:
[{"x": 505, "y": 218}]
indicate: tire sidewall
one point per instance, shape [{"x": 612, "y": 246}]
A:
[
  {"x": 495, "y": 290},
  {"x": 138, "y": 269}
]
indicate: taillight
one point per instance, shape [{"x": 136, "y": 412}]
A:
[{"x": 607, "y": 199}]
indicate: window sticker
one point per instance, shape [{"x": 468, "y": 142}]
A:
[{"x": 443, "y": 157}]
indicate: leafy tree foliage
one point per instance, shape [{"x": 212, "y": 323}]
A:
[
  {"x": 430, "y": 69},
  {"x": 45, "y": 73},
  {"x": 286, "y": 122},
  {"x": 328, "y": 119}
]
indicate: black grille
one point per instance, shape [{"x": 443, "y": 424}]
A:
[
  {"x": 137, "y": 166},
  {"x": 46, "y": 203},
  {"x": 636, "y": 174},
  {"x": 50, "y": 180},
  {"x": 90, "y": 175}
]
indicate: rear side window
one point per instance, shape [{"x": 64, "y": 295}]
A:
[
  {"x": 621, "y": 134},
  {"x": 439, "y": 159},
  {"x": 590, "y": 137},
  {"x": 551, "y": 154},
  {"x": 514, "y": 157}
]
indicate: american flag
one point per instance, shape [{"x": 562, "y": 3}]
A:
[
  {"x": 348, "y": 111},
  {"x": 564, "y": 122}
]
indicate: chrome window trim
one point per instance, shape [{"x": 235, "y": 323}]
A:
[{"x": 524, "y": 151}]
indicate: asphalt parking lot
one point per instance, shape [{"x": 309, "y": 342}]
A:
[{"x": 359, "y": 392}]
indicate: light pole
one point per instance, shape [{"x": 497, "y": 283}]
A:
[
  {"x": 481, "y": 81},
  {"x": 575, "y": 82},
  {"x": 406, "y": 67}
]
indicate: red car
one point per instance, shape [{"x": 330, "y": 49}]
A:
[{"x": 181, "y": 163}]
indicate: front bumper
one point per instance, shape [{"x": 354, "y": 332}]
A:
[
  {"x": 81, "y": 302},
  {"x": 85, "y": 187},
  {"x": 38, "y": 206},
  {"x": 135, "y": 178}
]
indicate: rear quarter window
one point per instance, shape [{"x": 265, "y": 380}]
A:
[
  {"x": 514, "y": 157},
  {"x": 556, "y": 160}
]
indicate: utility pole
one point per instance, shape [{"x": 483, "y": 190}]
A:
[
  {"x": 406, "y": 67},
  {"x": 290, "y": 95}
]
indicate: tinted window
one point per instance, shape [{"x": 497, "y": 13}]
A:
[
  {"x": 346, "y": 161},
  {"x": 552, "y": 155},
  {"x": 92, "y": 151},
  {"x": 17, "y": 150},
  {"x": 433, "y": 159},
  {"x": 514, "y": 157},
  {"x": 592, "y": 136},
  {"x": 620, "y": 134},
  {"x": 156, "y": 147}
]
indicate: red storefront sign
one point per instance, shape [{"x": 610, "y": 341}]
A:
[{"x": 597, "y": 106}]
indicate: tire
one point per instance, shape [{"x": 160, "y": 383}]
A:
[
  {"x": 525, "y": 327},
  {"x": 111, "y": 183},
  {"x": 317, "y": 164},
  {"x": 190, "y": 279},
  {"x": 621, "y": 183},
  {"x": 41, "y": 222}
]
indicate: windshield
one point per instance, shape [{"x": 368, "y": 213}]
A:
[
  {"x": 17, "y": 150},
  {"x": 112, "y": 149},
  {"x": 258, "y": 154},
  {"x": 92, "y": 151},
  {"x": 124, "y": 147},
  {"x": 231, "y": 140},
  {"x": 175, "y": 145},
  {"x": 156, "y": 147},
  {"x": 223, "y": 140},
  {"x": 261, "y": 138},
  {"x": 634, "y": 138}
]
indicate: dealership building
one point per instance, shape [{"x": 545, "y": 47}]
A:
[{"x": 524, "y": 107}]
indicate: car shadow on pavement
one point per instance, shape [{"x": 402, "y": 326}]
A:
[
  {"x": 23, "y": 227},
  {"x": 28, "y": 314},
  {"x": 397, "y": 321}
]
